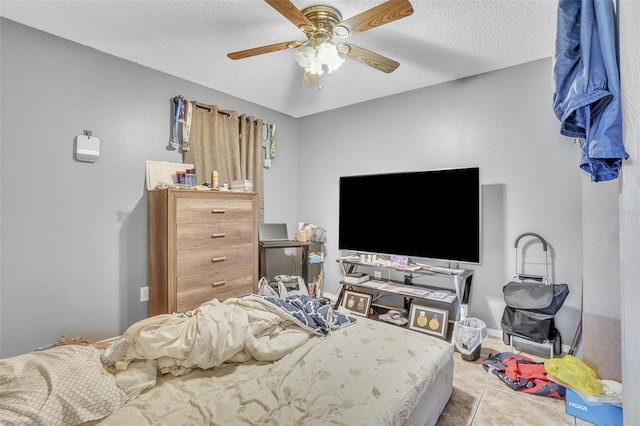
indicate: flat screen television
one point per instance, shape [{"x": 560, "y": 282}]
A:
[{"x": 433, "y": 214}]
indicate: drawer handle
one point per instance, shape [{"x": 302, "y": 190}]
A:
[
  {"x": 219, "y": 235},
  {"x": 218, "y": 283},
  {"x": 216, "y": 211},
  {"x": 218, "y": 259}
]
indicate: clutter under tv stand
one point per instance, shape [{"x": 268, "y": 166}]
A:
[{"x": 457, "y": 303}]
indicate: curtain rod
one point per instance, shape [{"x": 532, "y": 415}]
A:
[
  {"x": 177, "y": 98},
  {"x": 209, "y": 109}
]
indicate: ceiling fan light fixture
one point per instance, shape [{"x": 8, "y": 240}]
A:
[
  {"x": 315, "y": 59},
  {"x": 328, "y": 56}
]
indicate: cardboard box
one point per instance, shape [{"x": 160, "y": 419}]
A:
[{"x": 599, "y": 414}]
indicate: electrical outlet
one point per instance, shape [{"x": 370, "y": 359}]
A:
[
  {"x": 377, "y": 275},
  {"x": 144, "y": 294}
]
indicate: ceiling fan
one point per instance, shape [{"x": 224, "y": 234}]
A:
[{"x": 321, "y": 24}]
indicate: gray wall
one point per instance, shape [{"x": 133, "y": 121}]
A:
[
  {"x": 500, "y": 121},
  {"x": 74, "y": 235},
  {"x": 601, "y": 217}
]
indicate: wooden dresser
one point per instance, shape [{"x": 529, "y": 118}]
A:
[{"x": 202, "y": 245}]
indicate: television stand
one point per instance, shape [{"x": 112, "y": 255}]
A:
[{"x": 457, "y": 301}]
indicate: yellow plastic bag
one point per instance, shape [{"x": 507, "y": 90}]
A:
[{"x": 574, "y": 374}]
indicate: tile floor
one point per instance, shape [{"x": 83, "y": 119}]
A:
[{"x": 480, "y": 398}]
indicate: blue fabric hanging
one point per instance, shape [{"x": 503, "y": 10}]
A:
[{"x": 587, "y": 85}]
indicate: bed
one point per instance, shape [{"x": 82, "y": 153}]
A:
[{"x": 356, "y": 372}]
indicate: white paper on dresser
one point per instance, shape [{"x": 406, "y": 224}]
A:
[{"x": 162, "y": 172}]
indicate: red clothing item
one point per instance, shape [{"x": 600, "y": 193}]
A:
[{"x": 523, "y": 374}]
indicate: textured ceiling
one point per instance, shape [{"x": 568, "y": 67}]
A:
[{"x": 442, "y": 40}]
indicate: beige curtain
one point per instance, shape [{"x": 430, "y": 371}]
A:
[
  {"x": 251, "y": 157},
  {"x": 221, "y": 140}
]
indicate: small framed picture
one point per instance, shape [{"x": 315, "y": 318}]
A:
[
  {"x": 357, "y": 303},
  {"x": 429, "y": 320}
]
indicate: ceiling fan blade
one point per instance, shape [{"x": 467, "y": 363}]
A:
[
  {"x": 384, "y": 13},
  {"x": 264, "y": 49},
  {"x": 292, "y": 13},
  {"x": 367, "y": 57}
]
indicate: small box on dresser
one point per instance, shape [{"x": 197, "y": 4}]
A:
[{"x": 202, "y": 245}]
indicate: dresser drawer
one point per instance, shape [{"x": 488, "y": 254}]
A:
[
  {"x": 193, "y": 290},
  {"x": 204, "y": 260},
  {"x": 204, "y": 210},
  {"x": 212, "y": 234}
]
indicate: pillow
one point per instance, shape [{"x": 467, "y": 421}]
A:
[{"x": 64, "y": 385}]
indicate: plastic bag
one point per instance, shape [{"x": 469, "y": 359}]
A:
[
  {"x": 265, "y": 289},
  {"x": 282, "y": 286},
  {"x": 468, "y": 334},
  {"x": 574, "y": 374},
  {"x": 304, "y": 232},
  {"x": 319, "y": 236}
]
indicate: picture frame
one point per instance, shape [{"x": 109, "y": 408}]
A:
[
  {"x": 429, "y": 320},
  {"x": 357, "y": 303}
]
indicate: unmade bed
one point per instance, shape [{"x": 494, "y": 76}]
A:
[{"x": 367, "y": 372}]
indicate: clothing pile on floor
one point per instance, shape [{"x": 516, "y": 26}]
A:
[
  {"x": 553, "y": 377},
  {"x": 523, "y": 374}
]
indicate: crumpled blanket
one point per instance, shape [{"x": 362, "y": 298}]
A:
[{"x": 236, "y": 330}]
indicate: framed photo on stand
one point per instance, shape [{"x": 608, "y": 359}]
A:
[
  {"x": 429, "y": 320},
  {"x": 357, "y": 303}
]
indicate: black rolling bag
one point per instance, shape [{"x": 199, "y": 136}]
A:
[
  {"x": 529, "y": 325},
  {"x": 531, "y": 303}
]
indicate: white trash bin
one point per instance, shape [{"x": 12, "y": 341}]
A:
[{"x": 468, "y": 335}]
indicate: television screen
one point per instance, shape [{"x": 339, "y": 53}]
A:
[{"x": 431, "y": 214}]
